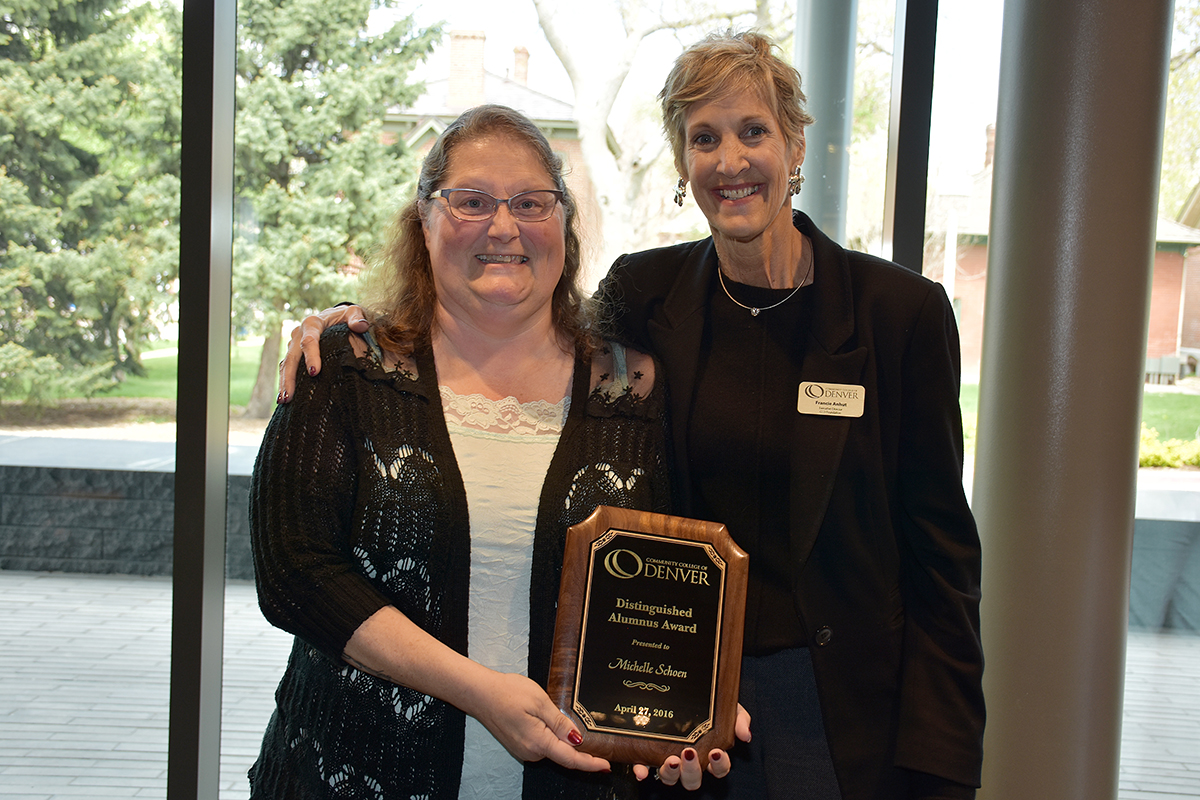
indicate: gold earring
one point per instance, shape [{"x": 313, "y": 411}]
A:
[
  {"x": 795, "y": 181},
  {"x": 680, "y": 192}
]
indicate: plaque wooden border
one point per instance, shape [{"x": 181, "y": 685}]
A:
[{"x": 569, "y": 634}]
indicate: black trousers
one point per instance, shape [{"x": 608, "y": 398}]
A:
[{"x": 788, "y": 753}]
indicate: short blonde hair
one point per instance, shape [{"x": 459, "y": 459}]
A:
[{"x": 732, "y": 62}]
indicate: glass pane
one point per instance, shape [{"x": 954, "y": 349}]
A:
[
  {"x": 962, "y": 136},
  {"x": 961, "y": 143},
  {"x": 869, "y": 134},
  {"x": 312, "y": 203},
  {"x": 89, "y": 199},
  {"x": 318, "y": 177},
  {"x": 1160, "y": 746}
]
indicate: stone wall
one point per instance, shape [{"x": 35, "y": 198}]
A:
[
  {"x": 117, "y": 521},
  {"x": 1164, "y": 593},
  {"x": 56, "y": 519}
]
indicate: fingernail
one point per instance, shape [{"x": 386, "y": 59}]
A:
[
  {"x": 574, "y": 738},
  {"x": 312, "y": 371},
  {"x": 285, "y": 397},
  {"x": 279, "y": 397},
  {"x": 689, "y": 754},
  {"x": 714, "y": 756},
  {"x": 606, "y": 771}
]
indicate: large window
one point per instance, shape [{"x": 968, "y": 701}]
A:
[
  {"x": 89, "y": 234},
  {"x": 91, "y": 291}
]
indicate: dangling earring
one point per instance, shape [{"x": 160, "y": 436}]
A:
[
  {"x": 680, "y": 192},
  {"x": 795, "y": 181}
]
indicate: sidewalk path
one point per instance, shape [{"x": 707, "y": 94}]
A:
[
  {"x": 85, "y": 692},
  {"x": 86, "y": 665}
]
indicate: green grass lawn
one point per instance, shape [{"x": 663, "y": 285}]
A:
[
  {"x": 1173, "y": 415},
  {"x": 159, "y": 380}
]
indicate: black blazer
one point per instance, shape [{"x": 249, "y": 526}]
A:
[{"x": 885, "y": 552}]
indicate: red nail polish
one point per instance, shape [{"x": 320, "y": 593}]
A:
[
  {"x": 574, "y": 738},
  {"x": 689, "y": 755},
  {"x": 714, "y": 756},
  {"x": 312, "y": 371},
  {"x": 279, "y": 397}
]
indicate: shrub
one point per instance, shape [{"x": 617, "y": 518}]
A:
[
  {"x": 1169, "y": 453},
  {"x": 41, "y": 380}
]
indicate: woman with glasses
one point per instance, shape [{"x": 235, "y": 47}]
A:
[{"x": 409, "y": 507}]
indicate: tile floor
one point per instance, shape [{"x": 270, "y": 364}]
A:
[{"x": 85, "y": 661}]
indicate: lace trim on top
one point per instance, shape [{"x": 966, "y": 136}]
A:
[{"x": 507, "y": 416}]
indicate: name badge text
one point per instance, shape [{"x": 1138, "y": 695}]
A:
[{"x": 831, "y": 399}]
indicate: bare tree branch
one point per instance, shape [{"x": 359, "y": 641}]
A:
[
  {"x": 1179, "y": 60},
  {"x": 695, "y": 22},
  {"x": 873, "y": 48},
  {"x": 597, "y": 52},
  {"x": 762, "y": 14}
]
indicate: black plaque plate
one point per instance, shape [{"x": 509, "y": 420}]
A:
[{"x": 648, "y": 640}]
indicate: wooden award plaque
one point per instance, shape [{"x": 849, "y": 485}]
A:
[{"x": 648, "y": 639}]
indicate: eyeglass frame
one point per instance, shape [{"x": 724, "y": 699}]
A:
[{"x": 497, "y": 202}]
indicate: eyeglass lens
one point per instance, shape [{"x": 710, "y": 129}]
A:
[{"x": 471, "y": 204}]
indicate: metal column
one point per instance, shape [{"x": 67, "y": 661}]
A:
[
  {"x": 824, "y": 54},
  {"x": 1078, "y": 141},
  {"x": 202, "y": 402}
]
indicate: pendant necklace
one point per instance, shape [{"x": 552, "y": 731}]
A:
[{"x": 755, "y": 310}]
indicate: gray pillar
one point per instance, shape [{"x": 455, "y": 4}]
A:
[
  {"x": 824, "y": 54},
  {"x": 1078, "y": 141}
]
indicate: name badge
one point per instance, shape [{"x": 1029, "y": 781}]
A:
[{"x": 831, "y": 399}]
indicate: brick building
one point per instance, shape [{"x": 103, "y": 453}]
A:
[{"x": 1173, "y": 343}]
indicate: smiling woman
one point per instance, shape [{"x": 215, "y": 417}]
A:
[
  {"x": 497, "y": 154},
  {"x": 495, "y": 271},
  {"x": 479, "y": 386},
  {"x": 851, "y": 505},
  {"x": 738, "y": 160}
]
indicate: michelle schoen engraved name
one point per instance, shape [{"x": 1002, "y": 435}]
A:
[{"x": 645, "y": 666}]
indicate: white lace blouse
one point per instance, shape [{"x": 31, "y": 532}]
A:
[{"x": 503, "y": 449}]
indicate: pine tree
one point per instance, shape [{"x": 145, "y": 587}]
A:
[
  {"x": 89, "y": 188},
  {"x": 316, "y": 182}
]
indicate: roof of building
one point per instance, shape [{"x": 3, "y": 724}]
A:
[
  {"x": 1172, "y": 232},
  {"x": 496, "y": 89},
  {"x": 975, "y": 212}
]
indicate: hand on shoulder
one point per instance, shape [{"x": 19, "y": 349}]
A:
[{"x": 306, "y": 341}]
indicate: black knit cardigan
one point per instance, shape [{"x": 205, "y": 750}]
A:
[{"x": 357, "y": 503}]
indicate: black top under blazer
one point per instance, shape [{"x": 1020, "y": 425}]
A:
[{"x": 884, "y": 549}]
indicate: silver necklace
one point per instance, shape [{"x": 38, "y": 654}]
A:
[{"x": 754, "y": 310}]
